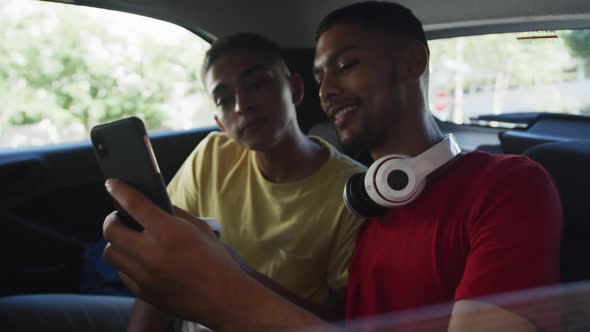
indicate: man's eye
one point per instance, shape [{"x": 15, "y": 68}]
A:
[
  {"x": 344, "y": 66},
  {"x": 224, "y": 102}
]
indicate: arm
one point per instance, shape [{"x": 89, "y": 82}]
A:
[
  {"x": 341, "y": 252},
  {"x": 344, "y": 229},
  {"x": 148, "y": 318},
  {"x": 514, "y": 245},
  {"x": 163, "y": 265},
  {"x": 470, "y": 315},
  {"x": 332, "y": 311}
]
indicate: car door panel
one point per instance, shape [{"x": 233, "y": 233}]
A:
[{"x": 53, "y": 204}]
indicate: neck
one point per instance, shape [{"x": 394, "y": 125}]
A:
[
  {"x": 293, "y": 158},
  {"x": 414, "y": 132}
]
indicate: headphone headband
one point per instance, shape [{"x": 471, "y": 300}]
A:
[
  {"x": 435, "y": 157},
  {"x": 396, "y": 180}
]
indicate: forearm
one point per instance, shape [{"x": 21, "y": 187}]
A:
[
  {"x": 471, "y": 315},
  {"x": 270, "y": 313},
  {"x": 147, "y": 318},
  {"x": 183, "y": 268},
  {"x": 332, "y": 311}
]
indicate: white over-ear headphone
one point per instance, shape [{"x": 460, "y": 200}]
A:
[{"x": 396, "y": 180}]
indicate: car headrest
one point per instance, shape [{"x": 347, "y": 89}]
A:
[
  {"x": 569, "y": 164},
  {"x": 327, "y": 131}
]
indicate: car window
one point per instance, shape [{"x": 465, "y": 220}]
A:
[
  {"x": 538, "y": 71},
  {"x": 64, "y": 69}
]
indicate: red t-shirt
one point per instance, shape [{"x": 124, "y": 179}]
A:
[{"x": 489, "y": 224}]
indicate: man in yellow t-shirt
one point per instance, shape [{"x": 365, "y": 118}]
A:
[
  {"x": 298, "y": 233},
  {"x": 276, "y": 192}
]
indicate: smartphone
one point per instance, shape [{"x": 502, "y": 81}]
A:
[{"x": 124, "y": 152}]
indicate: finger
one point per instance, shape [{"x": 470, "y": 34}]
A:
[
  {"x": 185, "y": 215},
  {"x": 125, "y": 263},
  {"x": 141, "y": 208},
  {"x": 108, "y": 220},
  {"x": 131, "y": 285},
  {"x": 180, "y": 213},
  {"x": 123, "y": 238}
]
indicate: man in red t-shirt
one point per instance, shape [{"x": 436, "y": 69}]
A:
[
  {"x": 497, "y": 230},
  {"x": 485, "y": 224}
]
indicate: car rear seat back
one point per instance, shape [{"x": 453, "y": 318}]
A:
[
  {"x": 327, "y": 131},
  {"x": 569, "y": 165}
]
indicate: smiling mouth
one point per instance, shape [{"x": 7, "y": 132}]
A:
[{"x": 341, "y": 114}]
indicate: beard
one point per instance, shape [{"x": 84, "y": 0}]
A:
[
  {"x": 361, "y": 141},
  {"x": 373, "y": 130}
]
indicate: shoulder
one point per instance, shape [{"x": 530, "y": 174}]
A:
[
  {"x": 218, "y": 139},
  {"x": 216, "y": 144},
  {"x": 500, "y": 169},
  {"x": 216, "y": 150},
  {"x": 512, "y": 186},
  {"x": 490, "y": 160}
]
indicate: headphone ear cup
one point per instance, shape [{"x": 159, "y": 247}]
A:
[{"x": 358, "y": 201}]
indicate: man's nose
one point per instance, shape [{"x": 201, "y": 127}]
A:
[
  {"x": 329, "y": 88},
  {"x": 243, "y": 101}
]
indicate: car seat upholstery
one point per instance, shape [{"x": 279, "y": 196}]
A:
[
  {"x": 569, "y": 165},
  {"x": 327, "y": 131}
]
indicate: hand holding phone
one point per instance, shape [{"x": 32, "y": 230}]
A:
[{"x": 124, "y": 152}]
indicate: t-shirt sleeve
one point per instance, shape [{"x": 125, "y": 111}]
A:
[
  {"x": 346, "y": 227},
  {"x": 342, "y": 249},
  {"x": 183, "y": 189},
  {"x": 514, "y": 240}
]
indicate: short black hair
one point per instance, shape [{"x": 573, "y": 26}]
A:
[
  {"x": 377, "y": 15},
  {"x": 238, "y": 42}
]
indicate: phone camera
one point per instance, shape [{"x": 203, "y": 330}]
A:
[{"x": 101, "y": 149}]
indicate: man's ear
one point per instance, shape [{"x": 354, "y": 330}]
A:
[
  {"x": 414, "y": 60},
  {"x": 219, "y": 123},
  {"x": 297, "y": 88}
]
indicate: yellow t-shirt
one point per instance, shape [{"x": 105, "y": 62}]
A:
[{"x": 298, "y": 233}]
